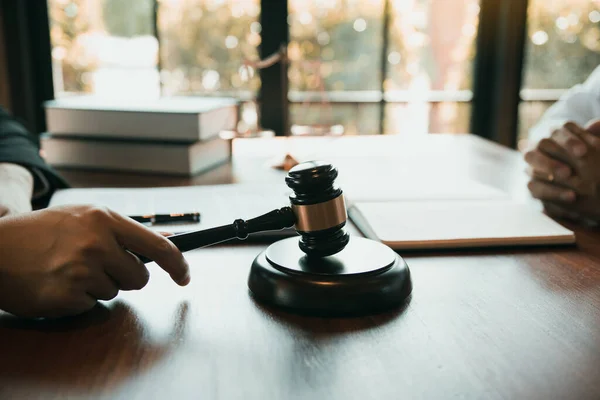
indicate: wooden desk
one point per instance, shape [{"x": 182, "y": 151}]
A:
[{"x": 506, "y": 324}]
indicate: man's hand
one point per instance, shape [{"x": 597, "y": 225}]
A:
[
  {"x": 60, "y": 261},
  {"x": 554, "y": 166},
  {"x": 575, "y": 195}
]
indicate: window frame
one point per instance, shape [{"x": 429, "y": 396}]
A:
[{"x": 498, "y": 71}]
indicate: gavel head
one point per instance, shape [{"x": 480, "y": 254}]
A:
[{"x": 319, "y": 208}]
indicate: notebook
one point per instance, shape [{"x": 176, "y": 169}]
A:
[{"x": 446, "y": 224}]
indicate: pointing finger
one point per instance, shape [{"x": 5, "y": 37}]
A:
[{"x": 139, "y": 239}]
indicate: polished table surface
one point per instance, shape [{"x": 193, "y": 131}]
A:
[{"x": 494, "y": 324}]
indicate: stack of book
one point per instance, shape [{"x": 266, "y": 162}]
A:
[{"x": 175, "y": 136}]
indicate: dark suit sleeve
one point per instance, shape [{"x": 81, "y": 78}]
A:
[{"x": 18, "y": 146}]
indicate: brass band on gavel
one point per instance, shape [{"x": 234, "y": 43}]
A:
[{"x": 320, "y": 216}]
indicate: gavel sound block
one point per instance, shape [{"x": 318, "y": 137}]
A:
[{"x": 322, "y": 271}]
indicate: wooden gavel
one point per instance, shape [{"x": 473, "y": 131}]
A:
[{"x": 317, "y": 210}]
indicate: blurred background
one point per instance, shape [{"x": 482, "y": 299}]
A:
[{"x": 374, "y": 66}]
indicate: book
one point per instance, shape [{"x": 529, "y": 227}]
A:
[
  {"x": 135, "y": 156},
  {"x": 178, "y": 119},
  {"x": 448, "y": 224}
]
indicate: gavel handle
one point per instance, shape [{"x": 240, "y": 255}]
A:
[{"x": 240, "y": 229}]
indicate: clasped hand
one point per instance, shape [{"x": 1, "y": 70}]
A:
[
  {"x": 61, "y": 260},
  {"x": 565, "y": 173}
]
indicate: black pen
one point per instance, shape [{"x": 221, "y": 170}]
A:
[{"x": 156, "y": 219}]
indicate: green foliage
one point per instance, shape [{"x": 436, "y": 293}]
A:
[
  {"x": 570, "y": 54},
  {"x": 193, "y": 39},
  {"x": 127, "y": 18}
]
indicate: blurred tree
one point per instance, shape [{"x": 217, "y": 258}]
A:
[
  {"x": 128, "y": 18},
  {"x": 204, "y": 44},
  {"x": 345, "y": 37},
  {"x": 564, "y": 43},
  {"x": 68, "y": 21}
]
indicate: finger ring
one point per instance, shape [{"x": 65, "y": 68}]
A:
[{"x": 550, "y": 177}]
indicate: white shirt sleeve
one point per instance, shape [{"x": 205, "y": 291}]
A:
[
  {"x": 16, "y": 188},
  {"x": 580, "y": 104}
]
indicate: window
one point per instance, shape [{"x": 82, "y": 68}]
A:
[
  {"x": 187, "y": 47},
  {"x": 338, "y": 74},
  {"x": 563, "y": 48},
  {"x": 103, "y": 47},
  {"x": 203, "y": 45},
  {"x": 336, "y": 71},
  {"x": 371, "y": 66},
  {"x": 428, "y": 86}
]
